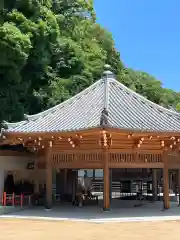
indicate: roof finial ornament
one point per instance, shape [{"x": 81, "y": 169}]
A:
[
  {"x": 107, "y": 72},
  {"x": 107, "y": 67}
]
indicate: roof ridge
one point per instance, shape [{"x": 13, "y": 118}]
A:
[
  {"x": 106, "y": 92},
  {"x": 144, "y": 98},
  {"x": 13, "y": 124}
]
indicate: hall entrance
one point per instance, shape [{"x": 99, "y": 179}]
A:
[
  {"x": 79, "y": 185},
  {"x": 125, "y": 184}
]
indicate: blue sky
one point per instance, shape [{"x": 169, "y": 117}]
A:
[{"x": 147, "y": 34}]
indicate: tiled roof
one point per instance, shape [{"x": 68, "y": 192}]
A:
[
  {"x": 79, "y": 112},
  {"x": 129, "y": 110},
  {"x": 126, "y": 110}
]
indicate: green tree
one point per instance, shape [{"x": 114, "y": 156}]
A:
[
  {"x": 51, "y": 50},
  {"x": 14, "y": 47},
  {"x": 149, "y": 87}
]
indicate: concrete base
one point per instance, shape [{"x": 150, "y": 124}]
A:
[
  {"x": 48, "y": 209},
  {"x": 48, "y": 206},
  {"x": 106, "y": 209}
]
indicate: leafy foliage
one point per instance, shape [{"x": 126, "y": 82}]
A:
[
  {"x": 51, "y": 50},
  {"x": 14, "y": 48},
  {"x": 149, "y": 87}
]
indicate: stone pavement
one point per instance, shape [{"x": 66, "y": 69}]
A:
[
  {"x": 121, "y": 211},
  {"x": 8, "y": 209}
]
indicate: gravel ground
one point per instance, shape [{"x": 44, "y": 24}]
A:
[{"x": 31, "y": 229}]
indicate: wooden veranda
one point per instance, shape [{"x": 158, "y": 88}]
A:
[{"x": 103, "y": 149}]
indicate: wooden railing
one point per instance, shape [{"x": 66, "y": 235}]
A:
[
  {"x": 117, "y": 158},
  {"x": 133, "y": 158},
  {"x": 77, "y": 157}
]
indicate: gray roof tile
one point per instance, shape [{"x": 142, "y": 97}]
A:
[
  {"x": 127, "y": 110},
  {"x": 79, "y": 112}
]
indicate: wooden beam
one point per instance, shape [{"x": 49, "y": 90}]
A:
[
  {"x": 96, "y": 150},
  {"x": 48, "y": 135},
  {"x": 142, "y": 133},
  {"x": 90, "y": 141},
  {"x": 15, "y": 153},
  {"x": 136, "y": 165},
  {"x": 79, "y": 165},
  {"x": 135, "y": 150},
  {"x": 94, "y": 131}
]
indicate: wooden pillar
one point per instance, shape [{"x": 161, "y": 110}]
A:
[
  {"x": 110, "y": 188},
  {"x": 65, "y": 180},
  {"x": 48, "y": 154},
  {"x": 36, "y": 181},
  {"x": 178, "y": 185},
  {"x": 94, "y": 174},
  {"x": 2, "y": 179},
  {"x": 166, "y": 180},
  {"x": 154, "y": 184},
  {"x": 36, "y": 186},
  {"x": 171, "y": 180},
  {"x": 106, "y": 179}
]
